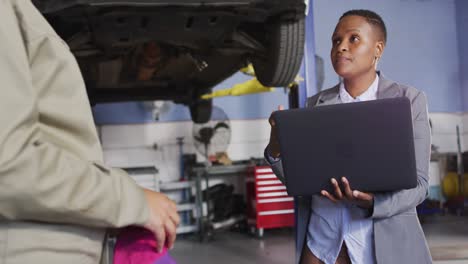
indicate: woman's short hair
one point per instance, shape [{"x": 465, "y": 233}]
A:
[{"x": 372, "y": 18}]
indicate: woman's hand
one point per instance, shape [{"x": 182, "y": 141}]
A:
[
  {"x": 273, "y": 145},
  {"x": 361, "y": 199}
]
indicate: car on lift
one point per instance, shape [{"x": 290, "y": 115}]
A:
[{"x": 141, "y": 50}]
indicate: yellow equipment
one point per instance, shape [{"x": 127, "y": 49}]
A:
[
  {"x": 249, "y": 70},
  {"x": 450, "y": 185},
  {"x": 249, "y": 87}
]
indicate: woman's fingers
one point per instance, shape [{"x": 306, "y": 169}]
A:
[
  {"x": 362, "y": 196},
  {"x": 329, "y": 196},
  {"x": 338, "y": 194},
  {"x": 344, "y": 192},
  {"x": 347, "y": 189},
  {"x": 271, "y": 120},
  {"x": 336, "y": 187},
  {"x": 364, "y": 200}
]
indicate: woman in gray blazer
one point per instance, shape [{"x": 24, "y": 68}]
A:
[{"x": 349, "y": 226}]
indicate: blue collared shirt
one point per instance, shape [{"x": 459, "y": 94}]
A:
[{"x": 331, "y": 223}]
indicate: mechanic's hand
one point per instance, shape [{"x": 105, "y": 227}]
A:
[
  {"x": 273, "y": 145},
  {"x": 163, "y": 220},
  {"x": 361, "y": 199}
]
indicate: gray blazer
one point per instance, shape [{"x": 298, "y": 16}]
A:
[{"x": 398, "y": 236}]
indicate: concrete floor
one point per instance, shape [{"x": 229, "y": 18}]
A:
[{"x": 447, "y": 237}]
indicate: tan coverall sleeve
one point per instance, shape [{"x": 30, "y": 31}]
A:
[{"x": 40, "y": 180}]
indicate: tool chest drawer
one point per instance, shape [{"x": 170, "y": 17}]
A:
[{"x": 268, "y": 203}]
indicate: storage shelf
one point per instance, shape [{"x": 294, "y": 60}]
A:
[
  {"x": 186, "y": 229},
  {"x": 185, "y": 207},
  {"x": 172, "y": 186}
]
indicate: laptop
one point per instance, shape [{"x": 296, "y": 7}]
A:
[{"x": 370, "y": 143}]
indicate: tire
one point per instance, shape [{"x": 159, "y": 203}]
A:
[
  {"x": 201, "y": 111},
  {"x": 285, "y": 50}
]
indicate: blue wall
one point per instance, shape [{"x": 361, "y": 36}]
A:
[
  {"x": 462, "y": 29},
  {"x": 422, "y": 48}
]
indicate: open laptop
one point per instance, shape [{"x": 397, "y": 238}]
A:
[{"x": 370, "y": 143}]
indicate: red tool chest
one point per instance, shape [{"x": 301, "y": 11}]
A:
[{"x": 268, "y": 204}]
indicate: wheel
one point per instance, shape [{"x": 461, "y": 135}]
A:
[
  {"x": 259, "y": 233},
  {"x": 252, "y": 230},
  {"x": 201, "y": 111},
  {"x": 207, "y": 230},
  {"x": 285, "y": 50}
]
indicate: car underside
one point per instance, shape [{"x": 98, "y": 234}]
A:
[{"x": 177, "y": 50}]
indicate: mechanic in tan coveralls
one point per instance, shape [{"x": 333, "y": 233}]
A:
[{"x": 56, "y": 196}]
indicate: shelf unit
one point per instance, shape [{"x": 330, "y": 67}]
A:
[{"x": 184, "y": 208}]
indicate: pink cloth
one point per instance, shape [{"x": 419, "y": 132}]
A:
[{"x": 138, "y": 246}]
